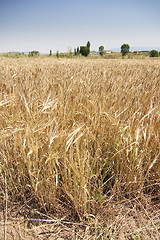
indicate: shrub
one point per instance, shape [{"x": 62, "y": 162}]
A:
[{"x": 12, "y": 54}]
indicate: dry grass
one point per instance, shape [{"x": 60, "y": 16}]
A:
[{"x": 81, "y": 138}]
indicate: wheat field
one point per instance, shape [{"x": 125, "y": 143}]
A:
[{"x": 80, "y": 140}]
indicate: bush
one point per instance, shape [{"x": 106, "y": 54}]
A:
[
  {"x": 153, "y": 53},
  {"x": 12, "y": 54}
]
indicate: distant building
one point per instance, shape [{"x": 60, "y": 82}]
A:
[
  {"x": 136, "y": 52},
  {"x": 107, "y": 51}
]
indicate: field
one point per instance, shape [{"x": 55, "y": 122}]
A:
[{"x": 79, "y": 148}]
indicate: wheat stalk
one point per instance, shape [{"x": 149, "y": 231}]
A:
[
  {"x": 79, "y": 129},
  {"x": 6, "y": 208}
]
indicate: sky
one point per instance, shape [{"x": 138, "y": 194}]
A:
[{"x": 45, "y": 25}]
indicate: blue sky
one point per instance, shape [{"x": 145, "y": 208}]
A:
[{"x": 42, "y": 25}]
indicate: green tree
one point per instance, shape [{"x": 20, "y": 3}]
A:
[
  {"x": 33, "y": 53},
  {"x": 57, "y": 54},
  {"x": 101, "y": 50},
  {"x": 125, "y": 49},
  {"x": 153, "y": 53},
  {"x": 88, "y": 46},
  {"x": 78, "y": 51},
  {"x": 84, "y": 50},
  {"x": 75, "y": 51},
  {"x": 50, "y": 53}
]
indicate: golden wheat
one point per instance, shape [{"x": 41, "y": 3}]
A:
[{"x": 84, "y": 129}]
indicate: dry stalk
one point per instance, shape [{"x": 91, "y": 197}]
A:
[
  {"x": 79, "y": 130},
  {"x": 6, "y": 208}
]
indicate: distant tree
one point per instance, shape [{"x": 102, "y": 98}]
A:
[
  {"x": 88, "y": 46},
  {"x": 125, "y": 49},
  {"x": 153, "y": 53},
  {"x": 33, "y": 53},
  {"x": 84, "y": 50},
  {"x": 78, "y": 50},
  {"x": 57, "y": 54},
  {"x": 101, "y": 50},
  {"x": 50, "y": 53},
  {"x": 75, "y": 52}
]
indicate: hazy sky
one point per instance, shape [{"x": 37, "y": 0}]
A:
[{"x": 42, "y": 25}]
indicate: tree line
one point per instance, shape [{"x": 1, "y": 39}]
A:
[
  {"x": 125, "y": 49},
  {"x": 82, "y": 50}
]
